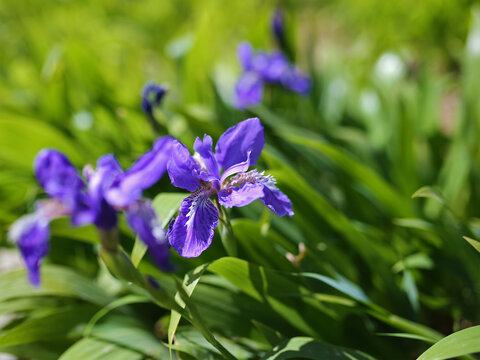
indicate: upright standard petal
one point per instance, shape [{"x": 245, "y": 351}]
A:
[
  {"x": 144, "y": 222},
  {"x": 31, "y": 234},
  {"x": 235, "y": 143},
  {"x": 145, "y": 172},
  {"x": 235, "y": 169},
  {"x": 245, "y": 55},
  {"x": 248, "y": 90},
  {"x": 108, "y": 168},
  {"x": 182, "y": 168},
  {"x": 204, "y": 149},
  {"x": 192, "y": 231},
  {"x": 56, "y": 174}
]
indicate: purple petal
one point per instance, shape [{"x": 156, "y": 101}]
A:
[
  {"x": 235, "y": 169},
  {"x": 192, "y": 231},
  {"x": 248, "y": 90},
  {"x": 108, "y": 168},
  {"x": 204, "y": 149},
  {"x": 245, "y": 55},
  {"x": 145, "y": 172},
  {"x": 278, "y": 67},
  {"x": 297, "y": 81},
  {"x": 254, "y": 185},
  {"x": 31, "y": 234},
  {"x": 273, "y": 198},
  {"x": 80, "y": 209},
  {"x": 260, "y": 63},
  {"x": 240, "y": 196},
  {"x": 56, "y": 174},
  {"x": 235, "y": 143},
  {"x": 144, "y": 222},
  {"x": 183, "y": 170}
]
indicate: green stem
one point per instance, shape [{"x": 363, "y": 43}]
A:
[{"x": 226, "y": 232}]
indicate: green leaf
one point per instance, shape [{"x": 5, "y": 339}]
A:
[
  {"x": 474, "y": 243},
  {"x": 129, "y": 299},
  {"x": 56, "y": 280},
  {"x": 189, "y": 283},
  {"x": 408, "y": 336},
  {"x": 410, "y": 288},
  {"x": 460, "y": 343},
  {"x": 341, "y": 284},
  {"x": 272, "y": 336},
  {"x": 414, "y": 261},
  {"x": 22, "y": 138},
  {"x": 377, "y": 186},
  {"x": 138, "y": 251},
  {"x": 414, "y": 223},
  {"x": 406, "y": 325},
  {"x": 281, "y": 293},
  {"x": 26, "y": 304},
  {"x": 128, "y": 332},
  {"x": 95, "y": 349},
  {"x": 188, "y": 336},
  {"x": 308, "y": 348},
  {"x": 63, "y": 323},
  {"x": 63, "y": 227},
  {"x": 166, "y": 205},
  {"x": 430, "y": 193}
]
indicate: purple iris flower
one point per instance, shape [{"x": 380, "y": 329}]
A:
[
  {"x": 222, "y": 175},
  {"x": 261, "y": 68},
  {"x": 152, "y": 95},
  {"x": 108, "y": 191}
]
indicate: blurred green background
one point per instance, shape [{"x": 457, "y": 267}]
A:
[{"x": 394, "y": 107}]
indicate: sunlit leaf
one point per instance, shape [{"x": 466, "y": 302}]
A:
[
  {"x": 460, "y": 343},
  {"x": 95, "y": 349},
  {"x": 63, "y": 323},
  {"x": 57, "y": 281},
  {"x": 474, "y": 243}
]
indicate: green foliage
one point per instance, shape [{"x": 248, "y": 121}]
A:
[
  {"x": 382, "y": 167},
  {"x": 462, "y": 342}
]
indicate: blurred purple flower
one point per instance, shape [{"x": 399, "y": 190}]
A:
[
  {"x": 270, "y": 68},
  {"x": 152, "y": 95},
  {"x": 238, "y": 148},
  {"x": 109, "y": 190}
]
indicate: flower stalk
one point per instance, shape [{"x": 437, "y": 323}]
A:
[{"x": 226, "y": 232}]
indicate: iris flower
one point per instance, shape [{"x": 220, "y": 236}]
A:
[
  {"x": 261, "y": 68},
  {"x": 152, "y": 95},
  {"x": 97, "y": 201},
  {"x": 222, "y": 175}
]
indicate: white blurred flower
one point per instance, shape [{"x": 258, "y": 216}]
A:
[
  {"x": 82, "y": 120},
  {"x": 389, "y": 67}
]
